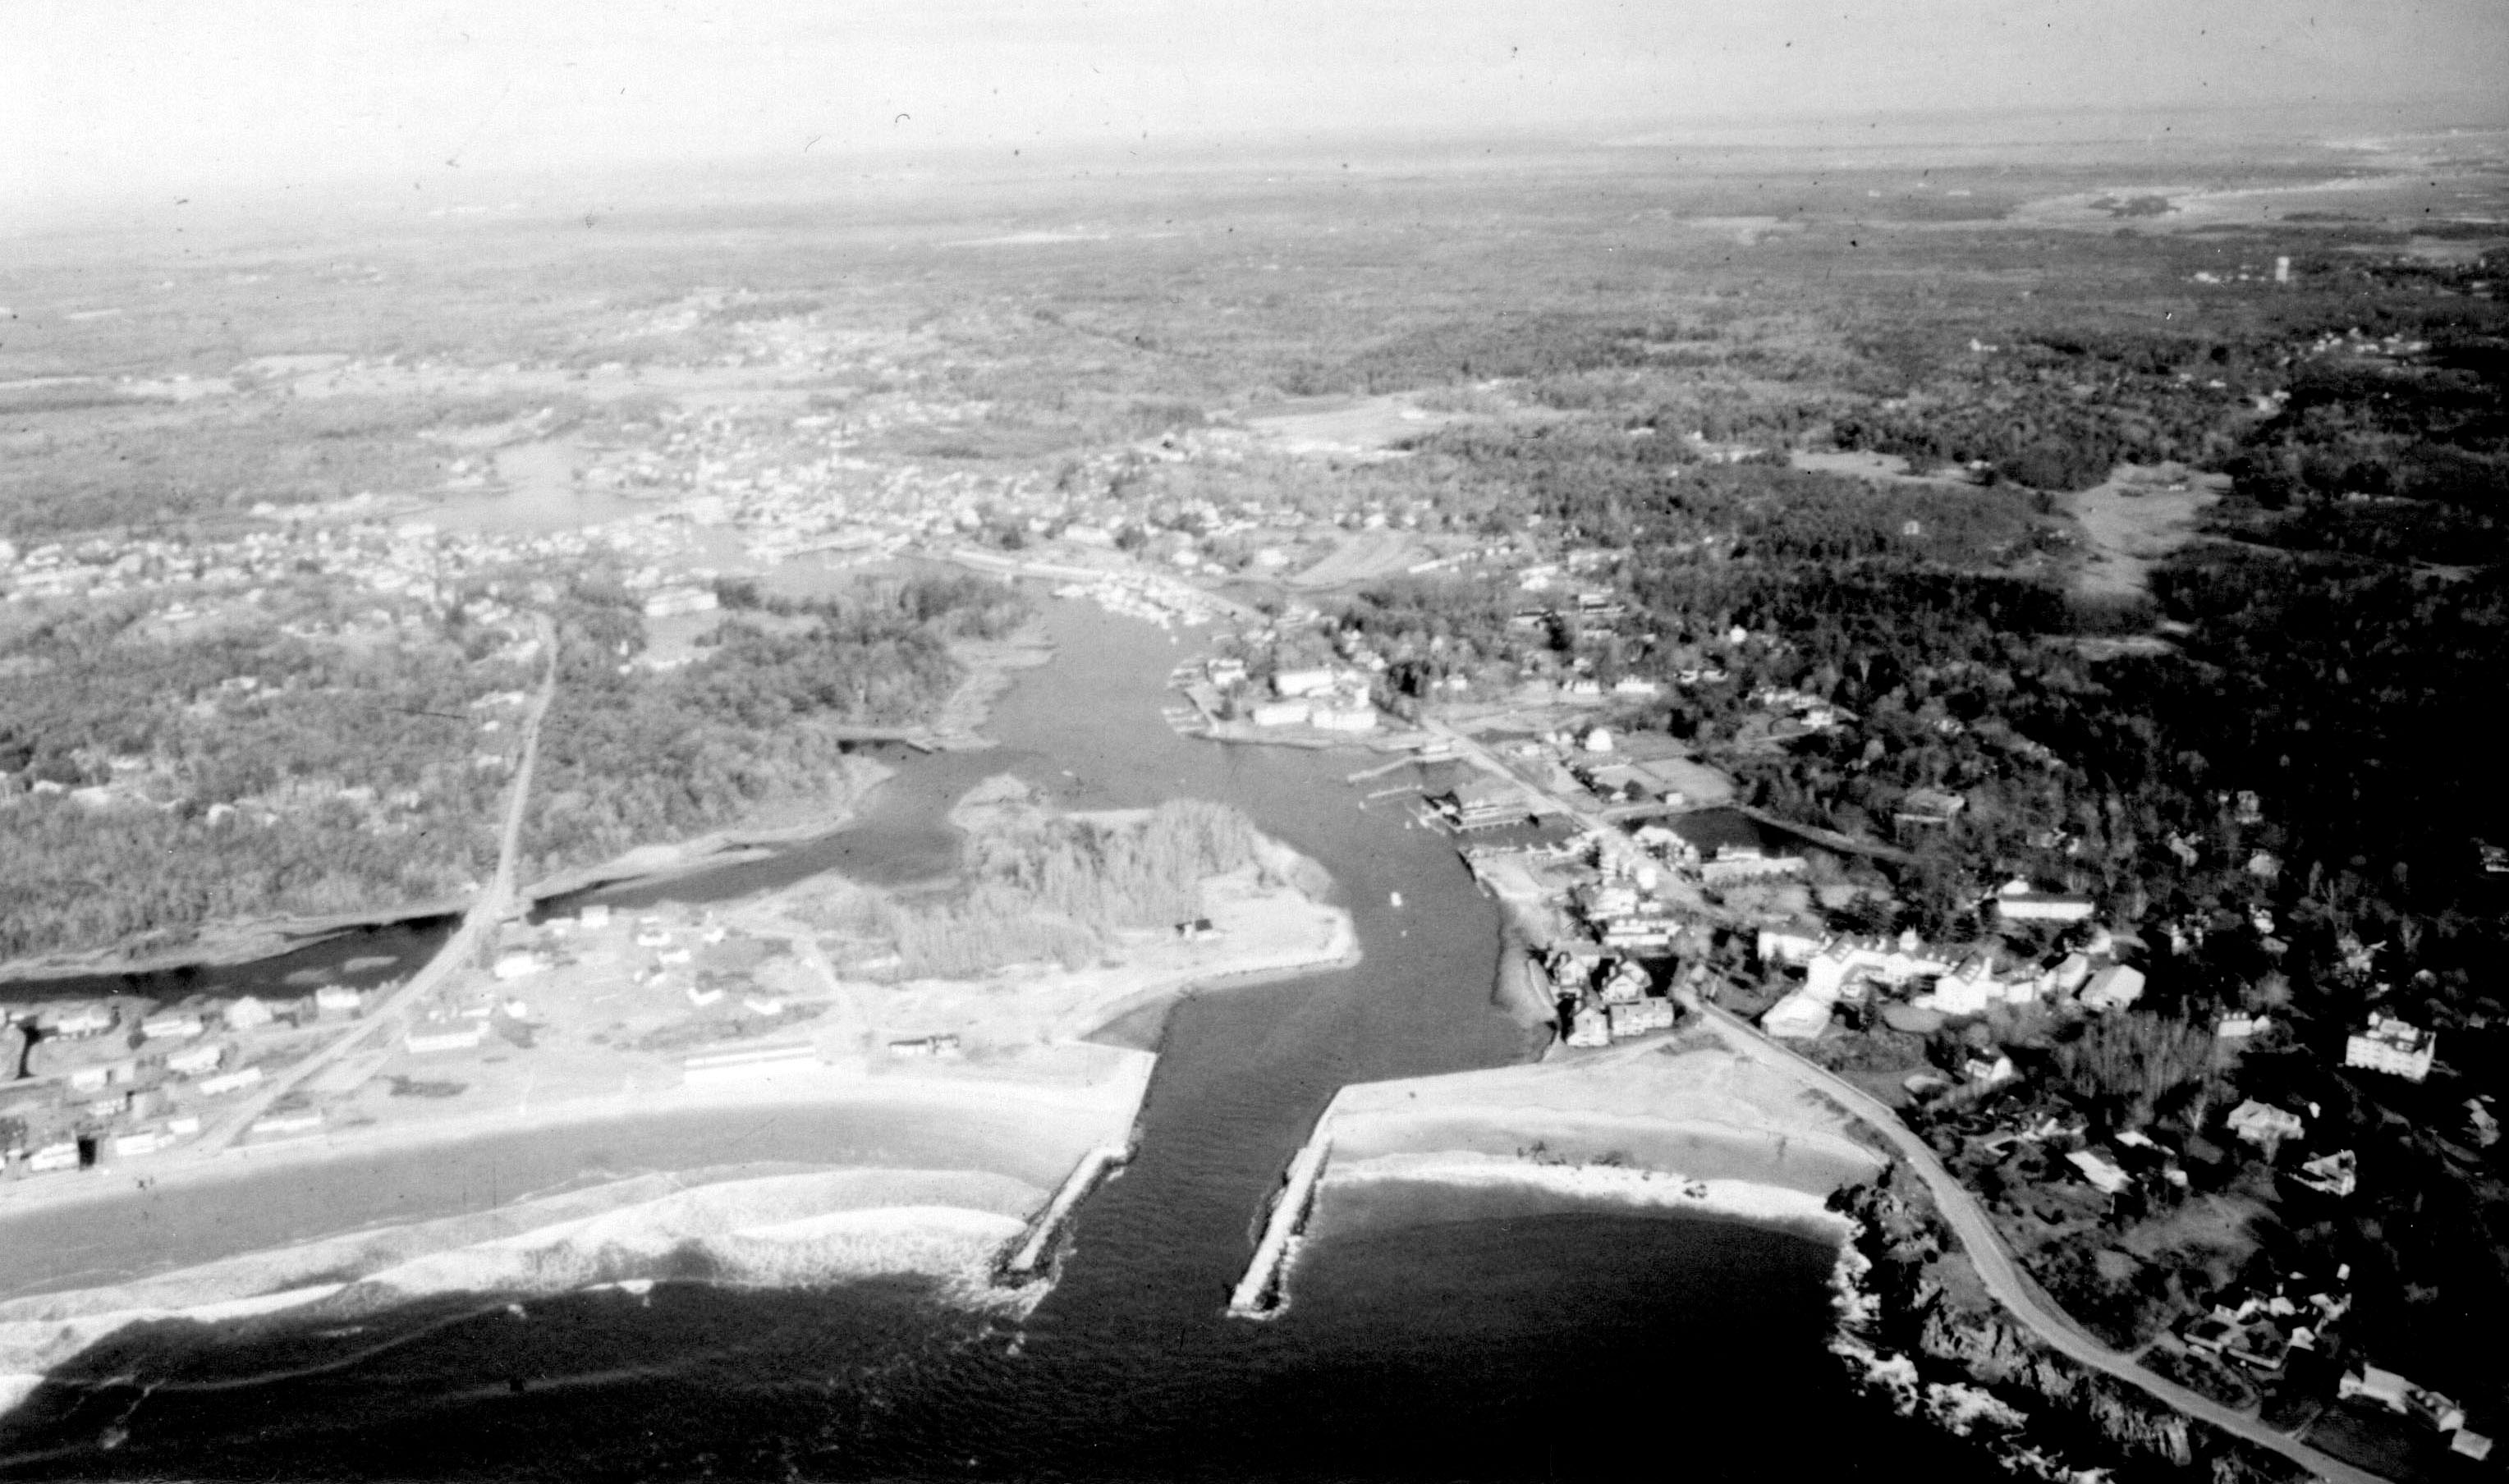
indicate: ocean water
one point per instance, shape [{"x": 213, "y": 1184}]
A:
[{"x": 1428, "y": 1336}]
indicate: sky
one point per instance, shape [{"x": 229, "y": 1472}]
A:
[{"x": 138, "y": 99}]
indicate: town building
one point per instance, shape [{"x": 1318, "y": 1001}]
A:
[
  {"x": 2263, "y": 1123},
  {"x": 1484, "y": 802},
  {"x": 752, "y": 1065},
  {"x": 2113, "y": 988},
  {"x": 2336, "y": 1175},
  {"x": 2018, "y": 902},
  {"x": 172, "y": 1026},
  {"x": 2104, "y": 1176},
  {"x": 192, "y": 1061},
  {"x": 2389, "y": 1045},
  {"x": 1800, "y": 1017},
  {"x": 459, "y": 1038},
  {"x": 1929, "y": 806}
]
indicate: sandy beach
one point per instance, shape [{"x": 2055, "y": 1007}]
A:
[
  {"x": 1678, "y": 1122},
  {"x": 1635, "y": 1100},
  {"x": 735, "y": 1226}
]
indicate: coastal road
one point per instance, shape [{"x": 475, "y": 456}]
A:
[
  {"x": 1993, "y": 1260},
  {"x": 479, "y": 921},
  {"x": 2003, "y": 1275}
]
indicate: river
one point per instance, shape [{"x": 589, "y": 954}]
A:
[{"x": 1515, "y": 1339}]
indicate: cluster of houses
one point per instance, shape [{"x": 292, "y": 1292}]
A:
[
  {"x": 1604, "y": 997},
  {"x": 1863, "y": 976},
  {"x": 75, "y": 1086},
  {"x": 2390, "y": 1390},
  {"x": 2258, "y": 1332},
  {"x": 1326, "y": 697}
]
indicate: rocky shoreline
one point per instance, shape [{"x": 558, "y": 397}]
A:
[{"x": 1915, "y": 1325}]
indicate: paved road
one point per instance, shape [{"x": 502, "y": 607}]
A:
[
  {"x": 2003, "y": 1275},
  {"x": 1993, "y": 1261},
  {"x": 479, "y": 922}
]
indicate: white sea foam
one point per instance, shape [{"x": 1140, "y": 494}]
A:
[
  {"x": 783, "y": 1231},
  {"x": 690, "y": 1233},
  {"x": 29, "y": 1348},
  {"x": 1748, "y": 1199}
]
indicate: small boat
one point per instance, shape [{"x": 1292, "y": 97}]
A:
[{"x": 1395, "y": 898}]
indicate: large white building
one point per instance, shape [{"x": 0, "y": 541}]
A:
[{"x": 2390, "y": 1045}]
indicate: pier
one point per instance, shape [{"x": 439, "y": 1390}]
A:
[
  {"x": 1258, "y": 1294},
  {"x": 1032, "y": 1254}
]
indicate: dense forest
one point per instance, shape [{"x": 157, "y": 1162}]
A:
[
  {"x": 1053, "y": 889},
  {"x": 156, "y": 778},
  {"x": 2275, "y": 771},
  {"x": 631, "y": 755}
]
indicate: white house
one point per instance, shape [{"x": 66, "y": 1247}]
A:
[
  {"x": 518, "y": 964},
  {"x": 1591, "y": 1026},
  {"x": 2113, "y": 988},
  {"x": 1778, "y": 946},
  {"x": 1293, "y": 683},
  {"x": 231, "y": 1082},
  {"x": 2108, "y": 1178},
  {"x": 2370, "y": 1383},
  {"x": 2261, "y": 1122},
  {"x": 2390, "y": 1045},
  {"x": 751, "y": 1066},
  {"x": 83, "y": 1022},
  {"x": 423, "y": 1043},
  {"x": 1344, "y": 718},
  {"x": 192, "y": 1061},
  {"x": 172, "y": 1026},
  {"x": 672, "y": 601},
  {"x": 2336, "y": 1174},
  {"x": 2017, "y": 901},
  {"x": 1800, "y": 1017}
]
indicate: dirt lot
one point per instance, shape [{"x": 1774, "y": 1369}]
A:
[
  {"x": 1346, "y": 425},
  {"x": 2137, "y": 516},
  {"x": 1362, "y": 558},
  {"x": 1879, "y": 467}
]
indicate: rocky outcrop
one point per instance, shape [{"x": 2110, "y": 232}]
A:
[{"x": 1909, "y": 1330}]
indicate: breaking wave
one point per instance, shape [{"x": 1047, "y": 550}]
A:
[
  {"x": 1746, "y": 1199},
  {"x": 809, "y": 1230}
]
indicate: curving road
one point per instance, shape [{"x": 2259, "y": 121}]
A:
[
  {"x": 1993, "y": 1261},
  {"x": 479, "y": 922},
  {"x": 2003, "y": 1275}
]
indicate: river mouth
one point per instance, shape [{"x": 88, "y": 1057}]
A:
[{"x": 1431, "y": 1335}]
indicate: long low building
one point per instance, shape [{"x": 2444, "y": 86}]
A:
[{"x": 753, "y": 1065}]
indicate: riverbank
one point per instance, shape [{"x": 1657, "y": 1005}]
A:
[
  {"x": 991, "y": 668},
  {"x": 221, "y": 944}
]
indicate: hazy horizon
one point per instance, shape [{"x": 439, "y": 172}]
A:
[{"x": 116, "y": 104}]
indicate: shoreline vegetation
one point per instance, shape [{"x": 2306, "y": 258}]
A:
[
  {"x": 990, "y": 667},
  {"x": 1160, "y": 904}
]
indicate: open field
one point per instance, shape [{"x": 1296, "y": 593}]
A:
[{"x": 2135, "y": 518}]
